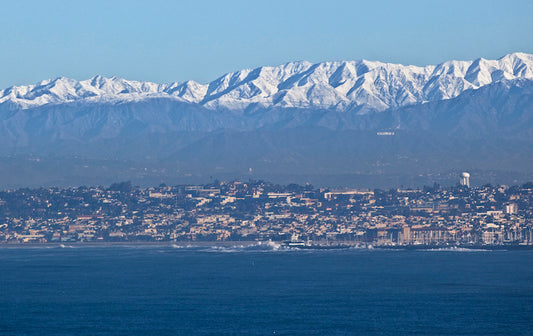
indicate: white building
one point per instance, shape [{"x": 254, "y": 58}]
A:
[{"x": 465, "y": 179}]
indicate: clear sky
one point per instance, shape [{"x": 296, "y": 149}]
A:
[{"x": 166, "y": 41}]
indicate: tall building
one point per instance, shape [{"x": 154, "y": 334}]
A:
[
  {"x": 406, "y": 234},
  {"x": 465, "y": 179},
  {"x": 511, "y": 208}
]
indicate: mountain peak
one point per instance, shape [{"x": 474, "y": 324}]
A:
[{"x": 338, "y": 85}]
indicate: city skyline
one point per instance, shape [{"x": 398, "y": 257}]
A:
[{"x": 257, "y": 211}]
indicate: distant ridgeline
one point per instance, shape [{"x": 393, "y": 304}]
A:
[
  {"x": 255, "y": 211},
  {"x": 358, "y": 123}
]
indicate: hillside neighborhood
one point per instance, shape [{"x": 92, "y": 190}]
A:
[{"x": 260, "y": 211}]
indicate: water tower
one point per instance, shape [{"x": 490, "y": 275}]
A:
[{"x": 465, "y": 179}]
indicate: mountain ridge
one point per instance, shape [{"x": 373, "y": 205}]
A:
[{"x": 362, "y": 86}]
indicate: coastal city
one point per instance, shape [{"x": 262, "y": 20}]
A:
[{"x": 258, "y": 211}]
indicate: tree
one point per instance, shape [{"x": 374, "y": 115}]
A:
[{"x": 121, "y": 186}]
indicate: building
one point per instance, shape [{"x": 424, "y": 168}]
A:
[{"x": 465, "y": 179}]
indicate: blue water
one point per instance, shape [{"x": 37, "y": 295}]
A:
[{"x": 161, "y": 290}]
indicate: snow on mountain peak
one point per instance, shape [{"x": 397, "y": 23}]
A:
[{"x": 342, "y": 85}]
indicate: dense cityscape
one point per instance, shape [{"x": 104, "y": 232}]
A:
[{"x": 259, "y": 211}]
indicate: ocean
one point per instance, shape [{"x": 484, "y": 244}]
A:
[{"x": 263, "y": 290}]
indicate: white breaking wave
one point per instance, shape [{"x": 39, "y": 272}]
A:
[
  {"x": 456, "y": 249},
  {"x": 268, "y": 246}
]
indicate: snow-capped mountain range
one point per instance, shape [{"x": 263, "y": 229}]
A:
[
  {"x": 359, "y": 86},
  {"x": 351, "y": 118}
]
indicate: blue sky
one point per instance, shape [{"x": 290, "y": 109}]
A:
[{"x": 166, "y": 41}]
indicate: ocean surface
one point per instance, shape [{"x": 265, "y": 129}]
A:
[{"x": 263, "y": 290}]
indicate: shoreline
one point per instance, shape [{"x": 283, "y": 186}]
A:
[
  {"x": 135, "y": 243},
  {"x": 245, "y": 244}
]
